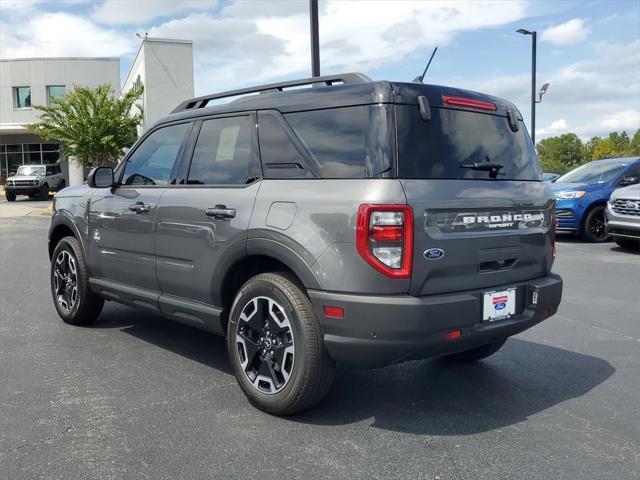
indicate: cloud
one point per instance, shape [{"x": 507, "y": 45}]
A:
[
  {"x": 573, "y": 31},
  {"x": 558, "y": 126},
  {"x": 130, "y": 12},
  {"x": 249, "y": 42},
  {"x": 593, "y": 96},
  {"x": 60, "y": 34}
]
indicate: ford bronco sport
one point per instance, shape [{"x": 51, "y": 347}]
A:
[{"x": 355, "y": 221}]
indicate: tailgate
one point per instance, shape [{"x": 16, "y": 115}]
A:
[{"x": 473, "y": 234}]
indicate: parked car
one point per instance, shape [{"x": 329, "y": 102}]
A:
[
  {"x": 550, "y": 177},
  {"x": 582, "y": 194},
  {"x": 356, "y": 221},
  {"x": 623, "y": 217},
  {"x": 36, "y": 181}
]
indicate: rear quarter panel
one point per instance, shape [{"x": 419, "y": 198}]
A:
[{"x": 315, "y": 220}]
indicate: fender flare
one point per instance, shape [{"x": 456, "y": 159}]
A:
[
  {"x": 285, "y": 254},
  {"x": 60, "y": 218}
]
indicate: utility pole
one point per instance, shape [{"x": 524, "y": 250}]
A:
[{"x": 315, "y": 38}]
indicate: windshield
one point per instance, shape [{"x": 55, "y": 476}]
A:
[
  {"x": 30, "y": 170},
  {"x": 594, "y": 172},
  {"x": 453, "y": 141}
]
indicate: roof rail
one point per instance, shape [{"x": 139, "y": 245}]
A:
[{"x": 344, "y": 78}]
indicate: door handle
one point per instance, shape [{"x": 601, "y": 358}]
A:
[
  {"x": 140, "y": 207},
  {"x": 220, "y": 212}
]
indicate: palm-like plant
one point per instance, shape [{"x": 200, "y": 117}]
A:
[{"x": 93, "y": 125}]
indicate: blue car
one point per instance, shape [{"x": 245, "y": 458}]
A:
[{"x": 582, "y": 194}]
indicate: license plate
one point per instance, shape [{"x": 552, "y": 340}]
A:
[{"x": 499, "y": 305}]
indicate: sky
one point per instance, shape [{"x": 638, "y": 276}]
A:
[{"x": 589, "y": 51}]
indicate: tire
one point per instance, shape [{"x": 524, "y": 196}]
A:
[
  {"x": 300, "y": 371},
  {"x": 44, "y": 192},
  {"x": 10, "y": 196},
  {"x": 85, "y": 306},
  {"x": 628, "y": 243},
  {"x": 594, "y": 230},
  {"x": 478, "y": 353}
]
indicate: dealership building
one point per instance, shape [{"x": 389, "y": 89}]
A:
[{"x": 163, "y": 66}]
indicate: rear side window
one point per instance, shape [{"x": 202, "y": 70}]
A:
[
  {"x": 335, "y": 138},
  {"x": 281, "y": 158},
  {"x": 452, "y": 138},
  {"x": 223, "y": 153}
]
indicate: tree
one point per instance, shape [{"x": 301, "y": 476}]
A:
[
  {"x": 589, "y": 147},
  {"x": 93, "y": 125},
  {"x": 634, "y": 145},
  {"x": 620, "y": 142},
  {"x": 559, "y": 154}
]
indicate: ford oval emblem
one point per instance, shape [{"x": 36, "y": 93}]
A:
[
  {"x": 632, "y": 206},
  {"x": 433, "y": 254},
  {"x": 500, "y": 306}
]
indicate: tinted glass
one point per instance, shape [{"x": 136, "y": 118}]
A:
[
  {"x": 153, "y": 161},
  {"x": 453, "y": 138},
  {"x": 335, "y": 138},
  {"x": 50, "y": 157},
  {"x": 223, "y": 152},
  {"x": 280, "y": 157},
  {"x": 594, "y": 172},
  {"x": 22, "y": 97},
  {"x": 54, "y": 91}
]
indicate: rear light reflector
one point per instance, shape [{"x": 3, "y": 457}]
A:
[
  {"x": 386, "y": 233},
  {"x": 453, "y": 335},
  {"x": 468, "y": 102},
  {"x": 384, "y": 238},
  {"x": 333, "y": 312}
]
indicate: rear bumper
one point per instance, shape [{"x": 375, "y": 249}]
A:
[{"x": 381, "y": 330}]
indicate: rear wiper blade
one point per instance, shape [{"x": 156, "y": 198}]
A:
[
  {"x": 485, "y": 167},
  {"x": 491, "y": 167}
]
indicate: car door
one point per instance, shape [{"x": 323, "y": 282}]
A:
[
  {"x": 204, "y": 219},
  {"x": 121, "y": 218}
]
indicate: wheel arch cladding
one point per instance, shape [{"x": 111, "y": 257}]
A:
[
  {"x": 62, "y": 227},
  {"x": 249, "y": 266}
]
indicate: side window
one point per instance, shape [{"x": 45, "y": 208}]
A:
[
  {"x": 154, "y": 160},
  {"x": 223, "y": 153},
  {"x": 280, "y": 157},
  {"x": 335, "y": 137}
]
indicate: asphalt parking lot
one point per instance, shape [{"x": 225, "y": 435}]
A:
[{"x": 136, "y": 396}]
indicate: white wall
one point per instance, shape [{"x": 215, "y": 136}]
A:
[
  {"x": 165, "y": 68},
  {"x": 37, "y": 73}
]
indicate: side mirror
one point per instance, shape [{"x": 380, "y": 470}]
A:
[
  {"x": 626, "y": 181},
  {"x": 101, "y": 177}
]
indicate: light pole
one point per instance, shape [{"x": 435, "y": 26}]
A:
[
  {"x": 544, "y": 88},
  {"x": 315, "y": 41},
  {"x": 533, "y": 81}
]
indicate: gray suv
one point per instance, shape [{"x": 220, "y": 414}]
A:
[{"x": 354, "y": 221}]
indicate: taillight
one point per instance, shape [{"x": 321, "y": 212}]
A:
[
  {"x": 468, "y": 102},
  {"x": 384, "y": 238}
]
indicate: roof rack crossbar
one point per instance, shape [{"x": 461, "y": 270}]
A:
[{"x": 344, "y": 78}]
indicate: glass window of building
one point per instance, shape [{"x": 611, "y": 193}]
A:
[
  {"x": 21, "y": 97},
  {"x": 55, "y": 91},
  {"x": 13, "y": 156}
]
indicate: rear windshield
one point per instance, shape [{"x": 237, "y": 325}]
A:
[{"x": 452, "y": 138}]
